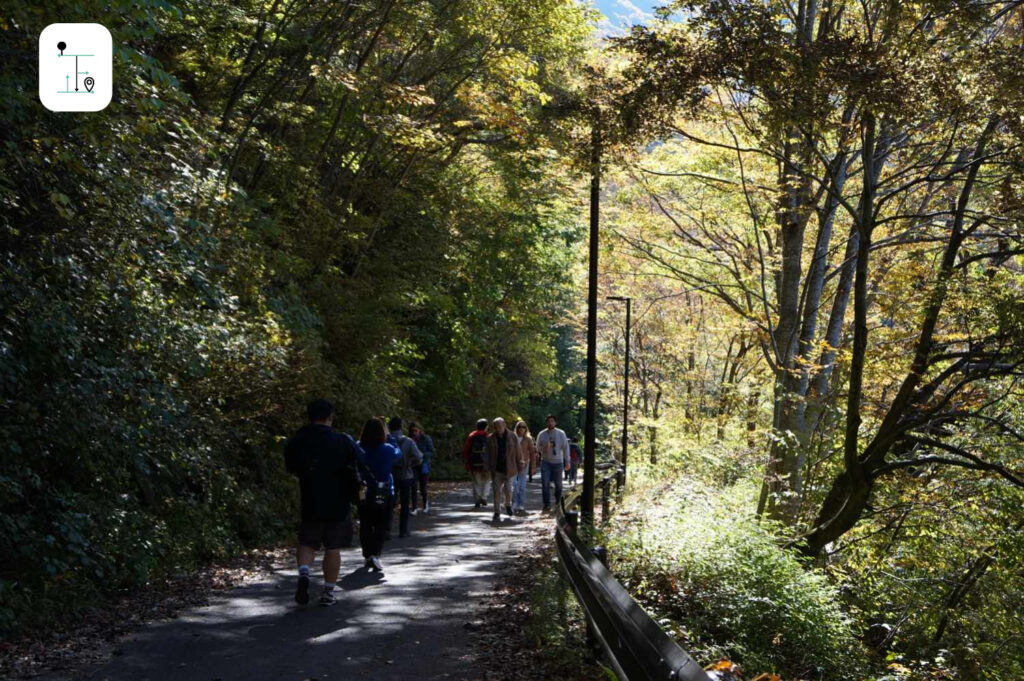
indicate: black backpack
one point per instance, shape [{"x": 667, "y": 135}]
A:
[
  {"x": 377, "y": 493},
  {"x": 477, "y": 450}
]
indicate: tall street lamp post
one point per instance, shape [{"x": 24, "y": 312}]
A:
[
  {"x": 590, "y": 431},
  {"x": 625, "y": 389}
]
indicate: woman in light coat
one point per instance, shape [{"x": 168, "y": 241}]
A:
[{"x": 528, "y": 451}]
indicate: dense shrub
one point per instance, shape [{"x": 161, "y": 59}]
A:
[{"x": 721, "y": 582}]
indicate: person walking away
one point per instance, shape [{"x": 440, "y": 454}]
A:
[
  {"x": 553, "y": 446},
  {"x": 528, "y": 450},
  {"x": 391, "y": 441},
  {"x": 421, "y": 473},
  {"x": 474, "y": 458},
  {"x": 565, "y": 473},
  {"x": 575, "y": 459},
  {"x": 504, "y": 462},
  {"x": 412, "y": 457},
  {"x": 376, "y": 457},
  {"x": 324, "y": 461}
]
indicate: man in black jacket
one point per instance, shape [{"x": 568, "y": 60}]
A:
[{"x": 325, "y": 462}]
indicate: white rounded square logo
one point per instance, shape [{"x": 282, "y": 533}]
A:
[{"x": 76, "y": 67}]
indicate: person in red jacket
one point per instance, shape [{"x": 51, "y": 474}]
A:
[{"x": 474, "y": 458}]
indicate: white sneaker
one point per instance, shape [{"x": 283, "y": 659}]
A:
[
  {"x": 413, "y": 512},
  {"x": 375, "y": 560},
  {"x": 426, "y": 509}
]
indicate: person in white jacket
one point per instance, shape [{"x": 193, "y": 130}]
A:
[{"x": 553, "y": 446}]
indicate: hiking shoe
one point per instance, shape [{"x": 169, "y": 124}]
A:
[
  {"x": 302, "y": 590},
  {"x": 375, "y": 563},
  {"x": 496, "y": 518},
  {"x": 327, "y": 598}
]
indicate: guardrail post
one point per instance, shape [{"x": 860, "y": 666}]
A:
[
  {"x": 617, "y": 629},
  {"x": 573, "y": 518}
]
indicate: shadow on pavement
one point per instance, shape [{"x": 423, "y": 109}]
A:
[
  {"x": 360, "y": 578},
  {"x": 406, "y": 623}
]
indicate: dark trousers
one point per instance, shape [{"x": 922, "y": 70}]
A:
[
  {"x": 421, "y": 480},
  {"x": 405, "y": 494},
  {"x": 373, "y": 523}
]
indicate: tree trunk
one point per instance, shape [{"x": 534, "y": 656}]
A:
[
  {"x": 653, "y": 429},
  {"x": 850, "y": 491},
  {"x": 783, "y": 475},
  {"x": 752, "y": 400},
  {"x": 804, "y": 427}
]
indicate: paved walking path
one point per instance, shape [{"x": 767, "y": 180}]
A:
[{"x": 405, "y": 624}]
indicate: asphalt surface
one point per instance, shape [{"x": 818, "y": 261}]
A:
[{"x": 408, "y": 623}]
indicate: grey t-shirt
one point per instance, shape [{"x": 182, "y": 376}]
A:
[{"x": 553, "y": 446}]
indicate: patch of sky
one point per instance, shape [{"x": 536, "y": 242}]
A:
[{"x": 619, "y": 15}]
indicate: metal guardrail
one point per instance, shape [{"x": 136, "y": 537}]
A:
[{"x": 634, "y": 644}]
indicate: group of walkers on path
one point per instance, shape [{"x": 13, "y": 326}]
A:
[
  {"x": 507, "y": 460},
  {"x": 386, "y": 466},
  {"x": 332, "y": 469}
]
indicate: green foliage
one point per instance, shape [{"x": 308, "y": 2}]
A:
[
  {"x": 936, "y": 567},
  {"x": 355, "y": 200},
  {"x": 788, "y": 200},
  {"x": 720, "y": 581}
]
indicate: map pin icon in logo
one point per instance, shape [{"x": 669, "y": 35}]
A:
[{"x": 90, "y": 82}]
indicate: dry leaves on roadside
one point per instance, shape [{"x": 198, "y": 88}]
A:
[{"x": 94, "y": 637}]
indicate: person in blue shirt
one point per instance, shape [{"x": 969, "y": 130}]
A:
[
  {"x": 422, "y": 473},
  {"x": 376, "y": 459}
]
